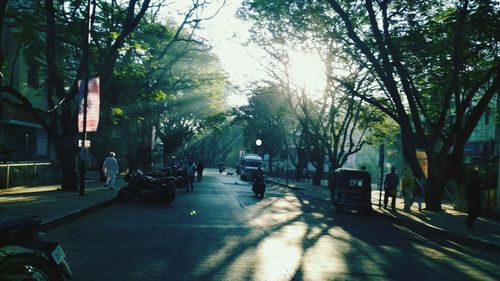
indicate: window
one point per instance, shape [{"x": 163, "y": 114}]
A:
[{"x": 353, "y": 182}]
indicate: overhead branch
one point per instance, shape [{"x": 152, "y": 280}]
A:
[
  {"x": 411, "y": 93},
  {"x": 130, "y": 23},
  {"x": 26, "y": 104}
]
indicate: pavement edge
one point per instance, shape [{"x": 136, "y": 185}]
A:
[{"x": 51, "y": 223}]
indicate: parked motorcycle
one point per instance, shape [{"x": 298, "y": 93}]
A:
[
  {"x": 26, "y": 255},
  {"x": 177, "y": 176},
  {"x": 180, "y": 178},
  {"x": 140, "y": 185}
]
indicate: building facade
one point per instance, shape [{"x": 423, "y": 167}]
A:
[
  {"x": 21, "y": 137},
  {"x": 482, "y": 153}
]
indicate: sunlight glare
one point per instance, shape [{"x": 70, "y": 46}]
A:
[{"x": 307, "y": 72}]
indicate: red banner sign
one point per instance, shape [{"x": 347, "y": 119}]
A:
[{"x": 92, "y": 106}]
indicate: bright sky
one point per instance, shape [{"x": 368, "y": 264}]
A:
[{"x": 228, "y": 34}]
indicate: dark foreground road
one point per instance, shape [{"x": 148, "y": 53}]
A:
[{"x": 222, "y": 232}]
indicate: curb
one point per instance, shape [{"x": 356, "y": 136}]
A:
[
  {"x": 282, "y": 184},
  {"x": 51, "y": 223},
  {"x": 403, "y": 221}
]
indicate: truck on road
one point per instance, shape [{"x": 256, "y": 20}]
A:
[{"x": 248, "y": 166}]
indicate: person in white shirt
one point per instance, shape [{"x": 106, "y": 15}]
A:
[{"x": 110, "y": 170}]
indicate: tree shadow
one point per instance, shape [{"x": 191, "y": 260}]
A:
[{"x": 320, "y": 245}]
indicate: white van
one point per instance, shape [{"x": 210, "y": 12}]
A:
[{"x": 248, "y": 166}]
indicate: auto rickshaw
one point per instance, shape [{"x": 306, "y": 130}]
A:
[{"x": 351, "y": 189}]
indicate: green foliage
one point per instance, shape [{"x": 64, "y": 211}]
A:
[
  {"x": 173, "y": 84},
  {"x": 264, "y": 118},
  {"x": 161, "y": 75}
]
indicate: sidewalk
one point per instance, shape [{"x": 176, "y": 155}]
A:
[
  {"x": 449, "y": 223},
  {"x": 52, "y": 205}
]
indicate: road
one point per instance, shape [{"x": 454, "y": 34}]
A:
[{"x": 221, "y": 231}]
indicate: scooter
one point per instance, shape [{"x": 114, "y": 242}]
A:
[
  {"x": 26, "y": 255},
  {"x": 161, "y": 190}
]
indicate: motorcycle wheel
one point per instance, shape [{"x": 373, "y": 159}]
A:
[
  {"x": 167, "y": 196},
  {"x": 28, "y": 267},
  {"x": 181, "y": 184},
  {"x": 125, "y": 194},
  {"x": 170, "y": 197}
]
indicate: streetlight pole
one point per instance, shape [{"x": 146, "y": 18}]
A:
[
  {"x": 381, "y": 165},
  {"x": 85, "y": 82},
  {"x": 258, "y": 142}
]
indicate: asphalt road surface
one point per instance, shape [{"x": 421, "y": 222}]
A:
[{"x": 221, "y": 231}]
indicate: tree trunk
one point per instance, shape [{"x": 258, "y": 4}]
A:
[
  {"x": 435, "y": 182},
  {"x": 271, "y": 172},
  {"x": 66, "y": 153},
  {"x": 300, "y": 164},
  {"x": 319, "y": 171},
  {"x": 145, "y": 157}
]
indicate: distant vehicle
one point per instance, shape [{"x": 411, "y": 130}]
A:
[
  {"x": 351, "y": 189},
  {"x": 248, "y": 166}
]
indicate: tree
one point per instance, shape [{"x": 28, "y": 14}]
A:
[
  {"x": 38, "y": 28},
  {"x": 264, "y": 118},
  {"x": 138, "y": 71},
  {"x": 436, "y": 64},
  {"x": 336, "y": 122},
  {"x": 170, "y": 87}
]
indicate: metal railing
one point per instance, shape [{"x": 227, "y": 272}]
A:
[{"x": 28, "y": 174}]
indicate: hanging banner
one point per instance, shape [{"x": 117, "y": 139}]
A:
[{"x": 92, "y": 105}]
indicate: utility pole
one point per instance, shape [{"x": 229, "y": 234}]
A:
[
  {"x": 381, "y": 165},
  {"x": 83, "y": 152}
]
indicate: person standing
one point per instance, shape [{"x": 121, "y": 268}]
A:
[
  {"x": 199, "y": 170},
  {"x": 473, "y": 194},
  {"x": 190, "y": 169},
  {"x": 110, "y": 170},
  {"x": 390, "y": 186},
  {"x": 407, "y": 186},
  {"x": 419, "y": 192}
]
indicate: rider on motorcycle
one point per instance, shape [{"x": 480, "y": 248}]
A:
[
  {"x": 259, "y": 174},
  {"x": 259, "y": 186}
]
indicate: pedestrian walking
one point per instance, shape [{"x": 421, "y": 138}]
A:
[
  {"x": 110, "y": 170},
  {"x": 419, "y": 192},
  {"x": 473, "y": 194},
  {"x": 391, "y": 183},
  {"x": 199, "y": 170},
  {"x": 407, "y": 186},
  {"x": 190, "y": 170}
]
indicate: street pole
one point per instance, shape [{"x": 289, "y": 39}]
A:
[
  {"x": 381, "y": 165},
  {"x": 85, "y": 81}
]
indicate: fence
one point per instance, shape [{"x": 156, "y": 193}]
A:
[{"x": 28, "y": 174}]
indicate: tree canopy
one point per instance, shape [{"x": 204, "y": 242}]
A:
[
  {"x": 433, "y": 65},
  {"x": 152, "y": 72}
]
